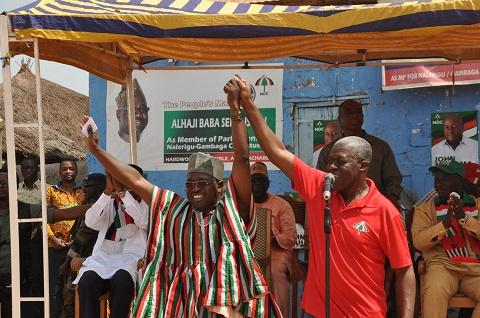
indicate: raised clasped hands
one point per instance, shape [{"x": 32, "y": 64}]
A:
[
  {"x": 238, "y": 91},
  {"x": 233, "y": 95},
  {"x": 245, "y": 95},
  {"x": 455, "y": 209}
]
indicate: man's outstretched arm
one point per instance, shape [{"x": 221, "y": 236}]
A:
[
  {"x": 241, "y": 163},
  {"x": 270, "y": 143},
  {"x": 119, "y": 170},
  {"x": 56, "y": 215},
  {"x": 72, "y": 213}
]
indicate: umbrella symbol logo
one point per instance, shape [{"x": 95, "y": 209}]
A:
[
  {"x": 361, "y": 227},
  {"x": 264, "y": 81}
]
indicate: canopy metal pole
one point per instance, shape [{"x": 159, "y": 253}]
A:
[
  {"x": 132, "y": 131},
  {"x": 12, "y": 175},
  {"x": 41, "y": 146}
]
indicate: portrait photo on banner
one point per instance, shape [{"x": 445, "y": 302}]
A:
[
  {"x": 180, "y": 112},
  {"x": 324, "y": 132},
  {"x": 454, "y": 136}
]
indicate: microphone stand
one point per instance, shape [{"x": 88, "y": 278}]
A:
[{"x": 327, "y": 228}]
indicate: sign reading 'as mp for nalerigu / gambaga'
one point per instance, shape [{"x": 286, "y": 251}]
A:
[{"x": 428, "y": 73}]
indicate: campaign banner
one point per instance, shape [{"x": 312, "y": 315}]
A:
[
  {"x": 180, "y": 112},
  {"x": 324, "y": 132},
  {"x": 454, "y": 136},
  {"x": 429, "y": 74},
  {"x": 207, "y": 131},
  {"x": 319, "y": 133}
]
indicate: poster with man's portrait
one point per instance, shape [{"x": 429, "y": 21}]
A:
[
  {"x": 180, "y": 112},
  {"x": 454, "y": 136},
  {"x": 324, "y": 132}
]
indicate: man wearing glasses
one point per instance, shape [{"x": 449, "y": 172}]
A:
[
  {"x": 198, "y": 257},
  {"x": 29, "y": 191}
]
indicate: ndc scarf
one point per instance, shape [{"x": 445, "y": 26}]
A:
[
  {"x": 454, "y": 241},
  {"x": 119, "y": 220}
]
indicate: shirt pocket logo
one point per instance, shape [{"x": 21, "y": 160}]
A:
[{"x": 361, "y": 227}]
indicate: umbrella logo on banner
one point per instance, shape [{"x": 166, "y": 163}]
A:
[
  {"x": 264, "y": 81},
  {"x": 319, "y": 127}
]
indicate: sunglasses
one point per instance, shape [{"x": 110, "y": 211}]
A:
[
  {"x": 198, "y": 184},
  {"x": 4, "y": 181}
]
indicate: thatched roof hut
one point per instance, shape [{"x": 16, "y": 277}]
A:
[{"x": 62, "y": 112}]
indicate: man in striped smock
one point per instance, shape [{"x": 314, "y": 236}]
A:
[{"x": 198, "y": 260}]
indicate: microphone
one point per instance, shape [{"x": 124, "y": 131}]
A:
[{"x": 328, "y": 187}]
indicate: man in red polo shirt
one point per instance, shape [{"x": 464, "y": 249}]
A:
[{"x": 366, "y": 227}]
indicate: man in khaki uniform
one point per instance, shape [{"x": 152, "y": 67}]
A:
[{"x": 446, "y": 230}]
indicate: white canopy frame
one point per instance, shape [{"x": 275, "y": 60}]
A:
[{"x": 5, "y": 38}]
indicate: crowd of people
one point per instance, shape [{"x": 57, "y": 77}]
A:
[{"x": 163, "y": 255}]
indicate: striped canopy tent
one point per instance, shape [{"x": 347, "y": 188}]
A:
[
  {"x": 106, "y": 38},
  {"x": 103, "y": 37}
]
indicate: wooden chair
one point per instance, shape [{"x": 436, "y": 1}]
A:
[
  {"x": 262, "y": 246},
  {"x": 299, "y": 268},
  {"x": 458, "y": 300},
  {"x": 75, "y": 266}
]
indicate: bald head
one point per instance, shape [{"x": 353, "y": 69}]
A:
[
  {"x": 348, "y": 102},
  {"x": 455, "y": 118},
  {"x": 333, "y": 130},
  {"x": 350, "y": 114}
]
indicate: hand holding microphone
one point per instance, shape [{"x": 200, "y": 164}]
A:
[{"x": 328, "y": 187}]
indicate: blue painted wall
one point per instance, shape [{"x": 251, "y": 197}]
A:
[{"x": 401, "y": 117}]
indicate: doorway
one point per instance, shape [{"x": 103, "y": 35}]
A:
[{"x": 304, "y": 116}]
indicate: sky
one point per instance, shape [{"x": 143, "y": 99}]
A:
[{"x": 68, "y": 76}]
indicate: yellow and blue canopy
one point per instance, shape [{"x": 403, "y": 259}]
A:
[{"x": 101, "y": 35}]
